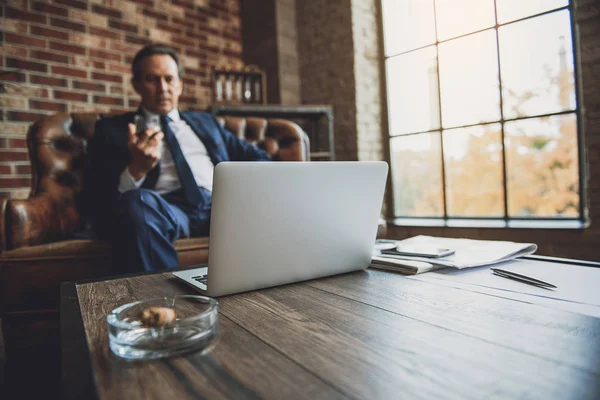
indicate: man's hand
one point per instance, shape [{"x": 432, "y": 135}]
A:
[{"x": 144, "y": 148}]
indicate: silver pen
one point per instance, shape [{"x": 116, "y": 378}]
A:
[{"x": 522, "y": 278}]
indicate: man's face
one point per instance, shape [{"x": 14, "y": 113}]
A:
[{"x": 159, "y": 83}]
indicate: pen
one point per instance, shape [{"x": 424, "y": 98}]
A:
[{"x": 522, "y": 278}]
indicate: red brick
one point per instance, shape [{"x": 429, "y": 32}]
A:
[
  {"x": 202, "y": 56},
  {"x": 107, "y": 77},
  {"x": 105, "y": 33},
  {"x": 107, "y": 11},
  {"x": 73, "y": 3},
  {"x": 183, "y": 3},
  {"x": 123, "y": 47},
  {"x": 169, "y": 28},
  {"x": 47, "y": 80},
  {"x": 48, "y": 9},
  {"x": 184, "y": 42},
  {"x": 4, "y": 143},
  {"x": 18, "y": 143},
  {"x": 98, "y": 65},
  {"x": 194, "y": 72},
  {"x": 122, "y": 26},
  {"x": 67, "y": 48},
  {"x": 23, "y": 169},
  {"x": 23, "y": 116},
  {"x": 137, "y": 40},
  {"x": 121, "y": 68},
  {"x": 46, "y": 105},
  {"x": 154, "y": 14},
  {"x": 49, "y": 33},
  {"x": 13, "y": 156},
  {"x": 5, "y": 170},
  {"x": 14, "y": 182},
  {"x": 46, "y": 56},
  {"x": 104, "y": 55},
  {"x": 114, "y": 101},
  {"x": 232, "y": 53},
  {"x": 24, "y": 15},
  {"x": 28, "y": 41},
  {"x": 78, "y": 73},
  {"x": 187, "y": 99},
  {"x": 12, "y": 76},
  {"x": 93, "y": 86},
  {"x": 69, "y": 25},
  {"x": 183, "y": 22},
  {"x": 133, "y": 103},
  {"x": 148, "y": 3},
  {"x": 27, "y": 65},
  {"x": 62, "y": 95}
]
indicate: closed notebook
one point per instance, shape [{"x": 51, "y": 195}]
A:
[{"x": 405, "y": 267}]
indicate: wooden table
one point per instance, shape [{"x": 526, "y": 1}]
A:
[{"x": 364, "y": 335}]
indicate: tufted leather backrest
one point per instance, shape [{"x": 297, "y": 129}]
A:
[{"x": 57, "y": 151}]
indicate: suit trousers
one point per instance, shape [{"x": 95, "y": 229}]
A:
[{"x": 149, "y": 223}]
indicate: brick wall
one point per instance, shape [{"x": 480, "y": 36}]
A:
[{"x": 74, "y": 55}]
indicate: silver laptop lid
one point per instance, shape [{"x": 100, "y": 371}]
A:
[{"x": 283, "y": 222}]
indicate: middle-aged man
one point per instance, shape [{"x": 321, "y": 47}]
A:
[{"x": 145, "y": 188}]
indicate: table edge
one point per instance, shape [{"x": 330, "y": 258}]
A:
[{"x": 77, "y": 380}]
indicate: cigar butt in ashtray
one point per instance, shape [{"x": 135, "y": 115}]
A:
[{"x": 157, "y": 316}]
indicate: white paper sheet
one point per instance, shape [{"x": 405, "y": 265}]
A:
[
  {"x": 468, "y": 253},
  {"x": 575, "y": 284}
]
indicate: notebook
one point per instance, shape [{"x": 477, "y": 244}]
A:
[{"x": 274, "y": 223}]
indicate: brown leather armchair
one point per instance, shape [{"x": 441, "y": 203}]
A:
[{"x": 39, "y": 247}]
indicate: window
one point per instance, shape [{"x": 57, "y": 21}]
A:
[{"x": 482, "y": 109}]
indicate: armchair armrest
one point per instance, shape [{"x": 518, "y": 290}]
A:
[{"x": 45, "y": 217}]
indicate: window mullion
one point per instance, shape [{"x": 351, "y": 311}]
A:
[
  {"x": 437, "y": 66},
  {"x": 504, "y": 166}
]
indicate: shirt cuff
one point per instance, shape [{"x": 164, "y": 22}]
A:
[{"x": 127, "y": 182}]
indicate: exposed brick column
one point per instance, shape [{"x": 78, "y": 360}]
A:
[
  {"x": 326, "y": 50},
  {"x": 365, "y": 28},
  {"x": 74, "y": 55},
  {"x": 339, "y": 65},
  {"x": 269, "y": 41}
]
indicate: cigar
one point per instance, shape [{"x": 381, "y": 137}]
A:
[{"x": 157, "y": 316}]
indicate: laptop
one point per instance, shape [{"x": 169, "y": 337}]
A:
[{"x": 274, "y": 223}]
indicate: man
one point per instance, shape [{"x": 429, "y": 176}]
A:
[{"x": 144, "y": 188}]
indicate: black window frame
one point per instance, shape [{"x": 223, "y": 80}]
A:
[{"x": 582, "y": 221}]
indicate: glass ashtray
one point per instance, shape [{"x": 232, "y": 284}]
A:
[{"x": 193, "y": 328}]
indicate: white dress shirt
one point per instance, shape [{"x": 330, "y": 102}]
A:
[{"x": 195, "y": 154}]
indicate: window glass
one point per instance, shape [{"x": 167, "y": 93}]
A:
[
  {"x": 542, "y": 167},
  {"x": 407, "y": 25},
  {"x": 413, "y": 96},
  {"x": 510, "y": 10},
  {"x": 537, "y": 75},
  {"x": 474, "y": 176},
  {"x": 469, "y": 80},
  {"x": 417, "y": 175},
  {"x": 457, "y": 17}
]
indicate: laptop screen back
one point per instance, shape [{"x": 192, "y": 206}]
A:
[{"x": 283, "y": 222}]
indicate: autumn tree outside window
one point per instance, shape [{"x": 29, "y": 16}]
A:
[{"x": 482, "y": 109}]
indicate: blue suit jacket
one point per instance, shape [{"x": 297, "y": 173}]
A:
[{"x": 108, "y": 156}]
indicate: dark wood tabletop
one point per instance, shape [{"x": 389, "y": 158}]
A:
[{"x": 364, "y": 335}]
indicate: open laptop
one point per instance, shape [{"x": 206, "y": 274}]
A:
[{"x": 281, "y": 222}]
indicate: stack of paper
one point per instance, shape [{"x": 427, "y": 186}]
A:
[{"x": 467, "y": 253}]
